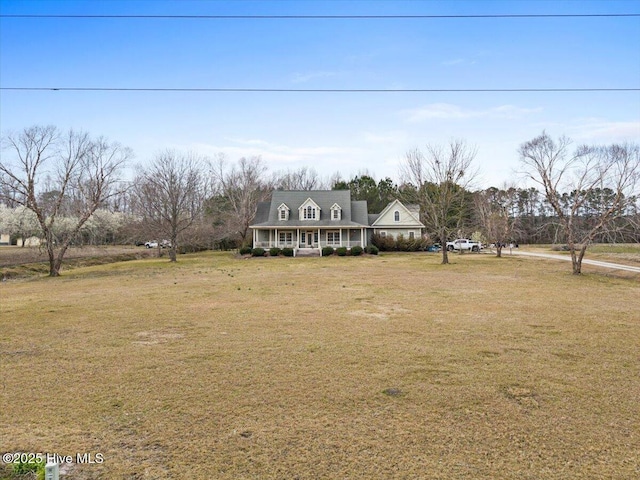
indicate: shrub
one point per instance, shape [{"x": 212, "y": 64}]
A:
[
  {"x": 356, "y": 251},
  {"x": 402, "y": 243},
  {"x": 372, "y": 250},
  {"x": 32, "y": 466},
  {"x": 287, "y": 252},
  {"x": 417, "y": 244},
  {"x": 341, "y": 251},
  {"x": 326, "y": 251},
  {"x": 245, "y": 250},
  {"x": 384, "y": 244},
  {"x": 258, "y": 252},
  {"x": 274, "y": 251}
]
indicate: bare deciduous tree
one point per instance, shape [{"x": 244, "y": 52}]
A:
[
  {"x": 240, "y": 189},
  {"x": 170, "y": 195},
  {"x": 585, "y": 172},
  {"x": 494, "y": 209},
  {"x": 302, "y": 179},
  {"x": 59, "y": 175},
  {"x": 441, "y": 177}
]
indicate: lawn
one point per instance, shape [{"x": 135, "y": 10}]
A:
[{"x": 370, "y": 367}]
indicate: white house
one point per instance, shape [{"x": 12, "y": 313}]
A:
[{"x": 309, "y": 220}]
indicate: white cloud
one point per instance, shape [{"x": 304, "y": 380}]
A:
[
  {"x": 279, "y": 156},
  {"x": 607, "y": 131},
  {"x": 385, "y": 137},
  {"x": 447, "y": 111},
  {"x": 305, "y": 77},
  {"x": 454, "y": 61},
  {"x": 594, "y": 130}
]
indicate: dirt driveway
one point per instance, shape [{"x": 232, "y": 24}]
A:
[{"x": 586, "y": 261}]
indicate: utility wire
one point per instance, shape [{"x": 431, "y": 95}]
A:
[
  {"x": 320, "y": 90},
  {"x": 323, "y": 17}
]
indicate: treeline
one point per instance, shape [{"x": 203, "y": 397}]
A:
[{"x": 67, "y": 188}]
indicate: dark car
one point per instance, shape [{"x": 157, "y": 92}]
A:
[{"x": 436, "y": 247}]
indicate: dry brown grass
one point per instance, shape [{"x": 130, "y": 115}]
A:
[
  {"x": 17, "y": 262},
  {"x": 370, "y": 367}
]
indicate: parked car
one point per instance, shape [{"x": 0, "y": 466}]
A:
[
  {"x": 151, "y": 244},
  {"x": 436, "y": 247},
  {"x": 464, "y": 244}
]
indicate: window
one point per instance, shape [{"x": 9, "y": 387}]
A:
[
  {"x": 396, "y": 216},
  {"x": 383, "y": 234},
  {"x": 336, "y": 212},
  {"x": 285, "y": 237},
  {"x": 283, "y": 212},
  {"x": 412, "y": 235},
  {"x": 333, "y": 238},
  {"x": 309, "y": 213},
  {"x": 309, "y": 210}
]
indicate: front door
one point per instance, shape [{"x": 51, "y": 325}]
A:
[{"x": 309, "y": 239}]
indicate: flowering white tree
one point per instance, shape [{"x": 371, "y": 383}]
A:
[
  {"x": 62, "y": 178},
  {"x": 20, "y": 222}
]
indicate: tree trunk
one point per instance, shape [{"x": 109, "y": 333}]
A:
[
  {"x": 499, "y": 250},
  {"x": 577, "y": 265},
  {"x": 54, "y": 266},
  {"x": 576, "y": 259},
  {"x": 445, "y": 253}
]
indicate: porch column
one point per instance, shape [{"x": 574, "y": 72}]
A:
[
  {"x": 276, "y": 233},
  {"x": 362, "y": 239},
  {"x": 318, "y": 238},
  {"x": 348, "y": 238},
  {"x": 340, "y": 237},
  {"x": 298, "y": 239}
]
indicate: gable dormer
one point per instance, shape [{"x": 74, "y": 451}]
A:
[
  {"x": 309, "y": 210},
  {"x": 336, "y": 212},
  {"x": 283, "y": 212}
]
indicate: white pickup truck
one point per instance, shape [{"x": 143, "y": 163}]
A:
[{"x": 464, "y": 244}]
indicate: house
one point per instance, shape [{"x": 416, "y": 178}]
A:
[
  {"x": 308, "y": 220},
  {"x": 397, "y": 219}
]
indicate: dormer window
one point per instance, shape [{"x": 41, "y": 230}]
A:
[
  {"x": 283, "y": 212},
  {"x": 396, "y": 216},
  {"x": 309, "y": 210},
  {"x": 309, "y": 213},
  {"x": 336, "y": 212}
]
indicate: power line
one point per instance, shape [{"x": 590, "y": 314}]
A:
[
  {"x": 320, "y": 90},
  {"x": 322, "y": 17}
]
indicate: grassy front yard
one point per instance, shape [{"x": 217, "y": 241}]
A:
[{"x": 370, "y": 367}]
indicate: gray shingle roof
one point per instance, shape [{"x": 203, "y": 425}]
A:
[{"x": 354, "y": 214}]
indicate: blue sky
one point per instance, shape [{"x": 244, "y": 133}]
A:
[{"x": 346, "y": 132}]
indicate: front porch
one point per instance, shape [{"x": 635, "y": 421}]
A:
[{"x": 309, "y": 239}]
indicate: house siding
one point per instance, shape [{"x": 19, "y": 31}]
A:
[
  {"x": 356, "y": 225},
  {"x": 387, "y": 219},
  {"x": 395, "y": 232}
]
